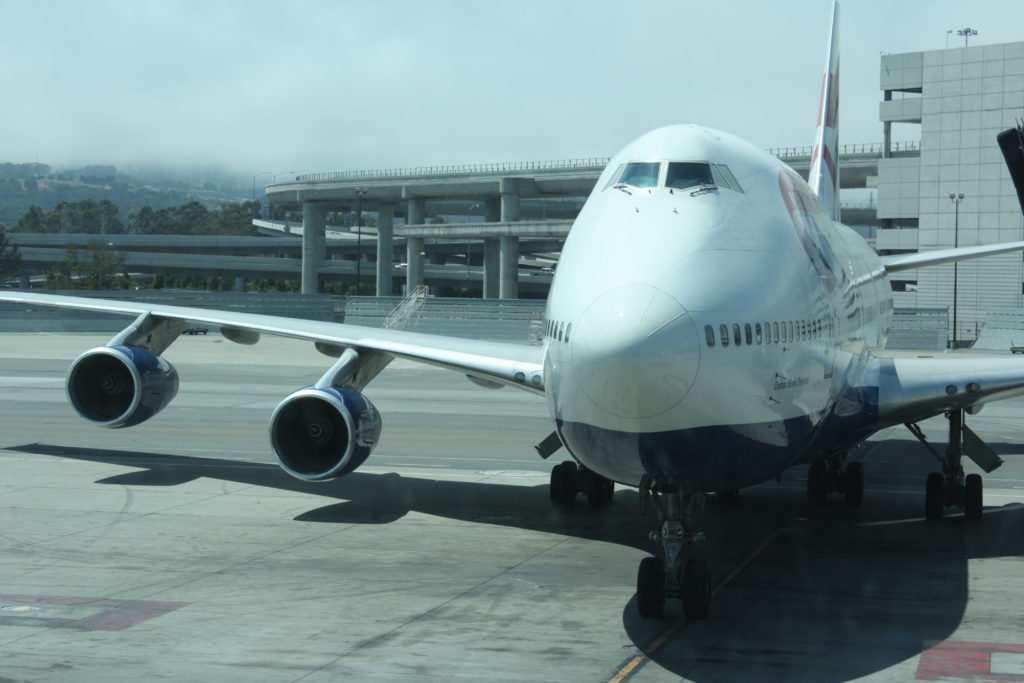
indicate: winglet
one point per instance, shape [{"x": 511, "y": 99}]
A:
[{"x": 824, "y": 174}]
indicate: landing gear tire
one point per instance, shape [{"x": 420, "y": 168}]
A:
[
  {"x": 817, "y": 483},
  {"x": 853, "y": 484},
  {"x": 696, "y": 589},
  {"x": 934, "y": 496},
  {"x": 598, "y": 489},
  {"x": 972, "y": 496},
  {"x": 650, "y": 588},
  {"x": 563, "y": 483},
  {"x": 730, "y": 496}
]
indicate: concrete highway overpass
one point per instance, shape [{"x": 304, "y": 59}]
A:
[{"x": 499, "y": 191}]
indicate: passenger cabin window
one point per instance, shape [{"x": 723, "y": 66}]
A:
[
  {"x": 709, "y": 334},
  {"x": 683, "y": 174},
  {"x": 640, "y": 174},
  {"x": 736, "y": 334},
  {"x": 725, "y": 334}
]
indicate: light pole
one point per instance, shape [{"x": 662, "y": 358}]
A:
[
  {"x": 359, "y": 238},
  {"x": 956, "y": 199},
  {"x": 254, "y": 191},
  {"x": 966, "y": 32}
]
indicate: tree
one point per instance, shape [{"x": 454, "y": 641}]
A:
[
  {"x": 10, "y": 259},
  {"x": 97, "y": 266},
  {"x": 34, "y": 220}
]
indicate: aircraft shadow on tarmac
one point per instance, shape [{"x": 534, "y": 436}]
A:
[{"x": 837, "y": 594}]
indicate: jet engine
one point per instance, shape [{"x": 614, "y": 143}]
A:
[
  {"x": 323, "y": 433},
  {"x": 120, "y": 386}
]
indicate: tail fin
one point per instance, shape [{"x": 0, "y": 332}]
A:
[
  {"x": 1011, "y": 141},
  {"x": 824, "y": 174}
]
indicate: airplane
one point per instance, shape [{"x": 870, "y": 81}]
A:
[{"x": 710, "y": 325}]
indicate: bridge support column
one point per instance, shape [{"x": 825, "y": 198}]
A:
[
  {"x": 26, "y": 282},
  {"x": 385, "y": 247},
  {"x": 509, "y": 258},
  {"x": 239, "y": 284},
  {"x": 414, "y": 261},
  {"x": 509, "y": 199},
  {"x": 314, "y": 224},
  {"x": 492, "y": 249},
  {"x": 417, "y": 210}
]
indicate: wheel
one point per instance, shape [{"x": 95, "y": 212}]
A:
[
  {"x": 934, "y": 496},
  {"x": 972, "y": 496},
  {"x": 696, "y": 589},
  {"x": 853, "y": 484},
  {"x": 598, "y": 489},
  {"x": 563, "y": 483},
  {"x": 817, "y": 483},
  {"x": 730, "y": 496},
  {"x": 650, "y": 588}
]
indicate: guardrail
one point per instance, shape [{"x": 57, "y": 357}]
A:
[
  {"x": 459, "y": 169},
  {"x": 595, "y": 163},
  {"x": 847, "y": 150}
]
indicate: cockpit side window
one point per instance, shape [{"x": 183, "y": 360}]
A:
[
  {"x": 640, "y": 174},
  {"x": 683, "y": 174}
]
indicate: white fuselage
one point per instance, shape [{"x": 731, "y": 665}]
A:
[{"x": 708, "y": 333}]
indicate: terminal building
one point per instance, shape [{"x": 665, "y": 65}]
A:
[{"x": 956, "y": 191}]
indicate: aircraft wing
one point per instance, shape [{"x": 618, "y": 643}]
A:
[
  {"x": 490, "y": 363},
  {"x": 912, "y": 389},
  {"x": 897, "y": 262}
]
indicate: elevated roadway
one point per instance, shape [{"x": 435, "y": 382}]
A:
[{"x": 498, "y": 189}]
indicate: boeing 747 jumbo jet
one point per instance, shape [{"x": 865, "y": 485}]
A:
[{"x": 710, "y": 325}]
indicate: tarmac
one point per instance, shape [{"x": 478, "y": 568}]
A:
[{"x": 178, "y": 550}]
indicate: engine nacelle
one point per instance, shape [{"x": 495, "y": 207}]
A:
[
  {"x": 120, "y": 386},
  {"x": 320, "y": 434}
]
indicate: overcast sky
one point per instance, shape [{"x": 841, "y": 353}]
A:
[{"x": 308, "y": 85}]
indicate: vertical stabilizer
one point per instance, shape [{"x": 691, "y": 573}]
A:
[{"x": 824, "y": 174}]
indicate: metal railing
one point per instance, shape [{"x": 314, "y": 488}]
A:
[
  {"x": 868, "y": 148},
  {"x": 594, "y": 163},
  {"x": 458, "y": 169}
]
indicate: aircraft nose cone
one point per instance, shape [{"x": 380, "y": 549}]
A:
[{"x": 636, "y": 351}]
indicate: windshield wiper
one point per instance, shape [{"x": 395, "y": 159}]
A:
[
  {"x": 622, "y": 186},
  {"x": 703, "y": 189}
]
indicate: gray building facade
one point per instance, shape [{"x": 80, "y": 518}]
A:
[{"x": 960, "y": 99}]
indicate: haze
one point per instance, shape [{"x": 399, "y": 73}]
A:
[{"x": 322, "y": 85}]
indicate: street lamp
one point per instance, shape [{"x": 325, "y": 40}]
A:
[
  {"x": 966, "y": 32},
  {"x": 281, "y": 173},
  {"x": 956, "y": 199},
  {"x": 254, "y": 191},
  {"x": 359, "y": 238}
]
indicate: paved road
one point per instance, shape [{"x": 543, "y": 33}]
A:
[{"x": 178, "y": 550}]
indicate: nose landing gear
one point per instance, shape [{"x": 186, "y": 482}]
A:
[{"x": 658, "y": 580}]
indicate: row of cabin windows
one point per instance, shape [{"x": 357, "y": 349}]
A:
[
  {"x": 558, "y": 331},
  {"x": 767, "y": 333}
]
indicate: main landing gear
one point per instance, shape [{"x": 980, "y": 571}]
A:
[
  {"x": 568, "y": 479},
  {"x": 950, "y": 487},
  {"x": 829, "y": 476},
  {"x": 657, "y": 579}
]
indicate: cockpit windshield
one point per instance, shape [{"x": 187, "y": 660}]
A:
[
  {"x": 683, "y": 174},
  {"x": 640, "y": 174},
  {"x": 679, "y": 175}
]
